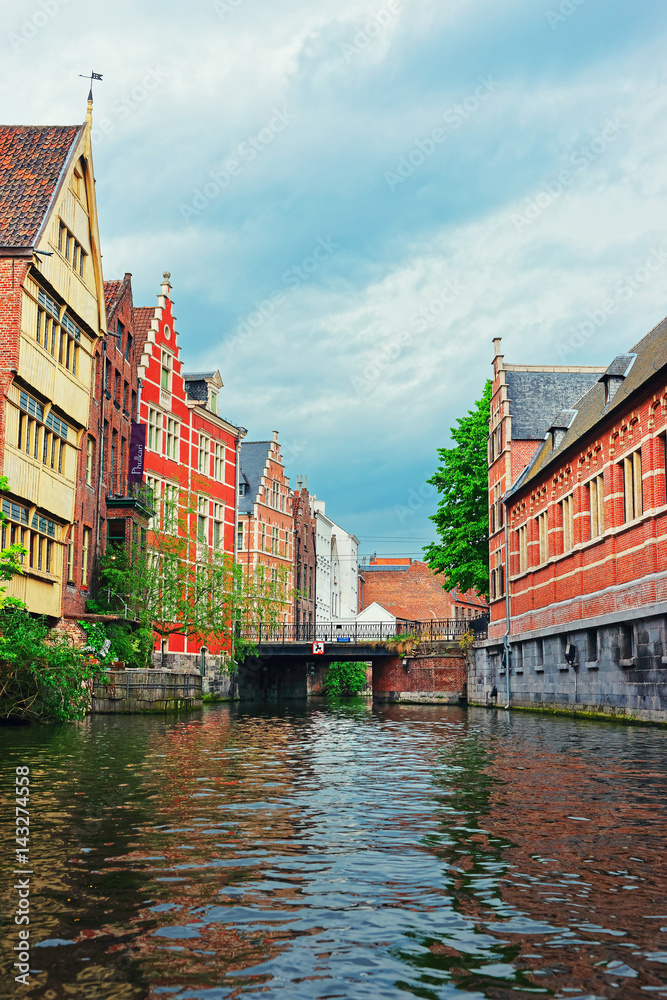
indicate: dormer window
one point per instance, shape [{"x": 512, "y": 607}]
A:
[{"x": 242, "y": 489}]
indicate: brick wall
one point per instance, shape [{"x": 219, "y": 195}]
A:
[{"x": 427, "y": 679}]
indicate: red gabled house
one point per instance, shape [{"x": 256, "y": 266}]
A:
[{"x": 191, "y": 453}]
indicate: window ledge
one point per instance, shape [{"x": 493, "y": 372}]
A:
[
  {"x": 630, "y": 662},
  {"x": 563, "y": 666},
  {"x": 664, "y": 661},
  {"x": 593, "y": 664},
  {"x": 539, "y": 670}
]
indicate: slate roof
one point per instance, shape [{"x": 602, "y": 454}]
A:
[
  {"x": 198, "y": 376},
  {"x": 32, "y": 159},
  {"x": 254, "y": 456},
  {"x": 537, "y": 397},
  {"x": 651, "y": 359},
  {"x": 196, "y": 389}
]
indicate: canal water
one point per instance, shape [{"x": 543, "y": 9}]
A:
[{"x": 340, "y": 851}]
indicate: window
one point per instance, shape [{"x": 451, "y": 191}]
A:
[
  {"x": 128, "y": 347},
  {"x": 497, "y": 510},
  {"x": 632, "y": 486},
  {"x": 596, "y": 505},
  {"x": 214, "y": 402},
  {"x": 126, "y": 399},
  {"x": 567, "y": 514},
  {"x": 165, "y": 377},
  {"x": 204, "y": 452},
  {"x": 60, "y": 336},
  {"x": 90, "y": 460},
  {"x": 543, "y": 535},
  {"x": 71, "y": 249},
  {"x": 202, "y": 521},
  {"x": 275, "y": 495},
  {"x": 52, "y": 430},
  {"x": 523, "y": 549},
  {"x": 218, "y": 525},
  {"x": 173, "y": 437},
  {"x": 112, "y": 464},
  {"x": 219, "y": 463},
  {"x": 497, "y": 576},
  {"x": 116, "y": 389},
  {"x": 42, "y": 533},
  {"x": 154, "y": 429},
  {"x": 170, "y": 508},
  {"x": 70, "y": 556},
  {"x": 262, "y": 538},
  {"x": 120, "y": 330},
  {"x": 592, "y": 645},
  {"x": 239, "y": 536},
  {"x": 243, "y": 489},
  {"x": 85, "y": 556},
  {"x": 154, "y": 487},
  {"x": 274, "y": 541}
]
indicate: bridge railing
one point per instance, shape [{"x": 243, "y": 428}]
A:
[{"x": 352, "y": 632}]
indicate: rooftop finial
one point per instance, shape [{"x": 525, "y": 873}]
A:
[{"x": 93, "y": 76}]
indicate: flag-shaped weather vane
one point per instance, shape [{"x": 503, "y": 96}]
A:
[{"x": 93, "y": 76}]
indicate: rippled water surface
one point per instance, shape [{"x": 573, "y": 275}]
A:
[{"x": 342, "y": 851}]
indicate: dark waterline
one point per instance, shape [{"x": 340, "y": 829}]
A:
[{"x": 340, "y": 852}]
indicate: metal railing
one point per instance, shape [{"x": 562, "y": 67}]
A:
[{"x": 355, "y": 632}]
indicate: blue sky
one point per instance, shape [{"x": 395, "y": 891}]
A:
[{"x": 353, "y": 199}]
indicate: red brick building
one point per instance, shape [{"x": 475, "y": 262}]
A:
[
  {"x": 265, "y": 543},
  {"x": 192, "y": 453},
  {"x": 410, "y": 591},
  {"x": 305, "y": 556},
  {"x": 586, "y": 520},
  {"x": 108, "y": 507}
]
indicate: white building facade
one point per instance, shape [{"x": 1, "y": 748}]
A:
[{"x": 337, "y": 574}]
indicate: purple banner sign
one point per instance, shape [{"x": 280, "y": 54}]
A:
[{"x": 137, "y": 448}]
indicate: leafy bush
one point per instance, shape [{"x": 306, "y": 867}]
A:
[
  {"x": 43, "y": 676},
  {"x": 345, "y": 679}
]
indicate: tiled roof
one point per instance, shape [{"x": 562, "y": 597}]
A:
[
  {"x": 141, "y": 317},
  {"x": 254, "y": 456},
  {"x": 111, "y": 290},
  {"x": 537, "y": 397},
  {"x": 414, "y": 592},
  {"x": 651, "y": 358},
  {"x": 32, "y": 159}
]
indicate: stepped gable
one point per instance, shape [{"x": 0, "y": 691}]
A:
[{"x": 32, "y": 162}]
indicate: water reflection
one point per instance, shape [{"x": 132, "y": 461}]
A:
[{"x": 344, "y": 852}]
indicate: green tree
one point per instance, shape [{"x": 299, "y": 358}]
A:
[
  {"x": 345, "y": 679},
  {"x": 462, "y": 517},
  {"x": 180, "y": 585}
]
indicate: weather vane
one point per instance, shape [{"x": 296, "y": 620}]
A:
[{"x": 93, "y": 76}]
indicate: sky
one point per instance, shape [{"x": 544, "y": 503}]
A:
[{"x": 354, "y": 199}]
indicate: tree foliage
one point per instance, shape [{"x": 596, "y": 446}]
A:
[
  {"x": 178, "y": 584},
  {"x": 462, "y": 517},
  {"x": 345, "y": 679},
  {"x": 43, "y": 676}
]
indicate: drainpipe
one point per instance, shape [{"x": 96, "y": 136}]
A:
[
  {"x": 506, "y": 640},
  {"x": 100, "y": 465}
]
